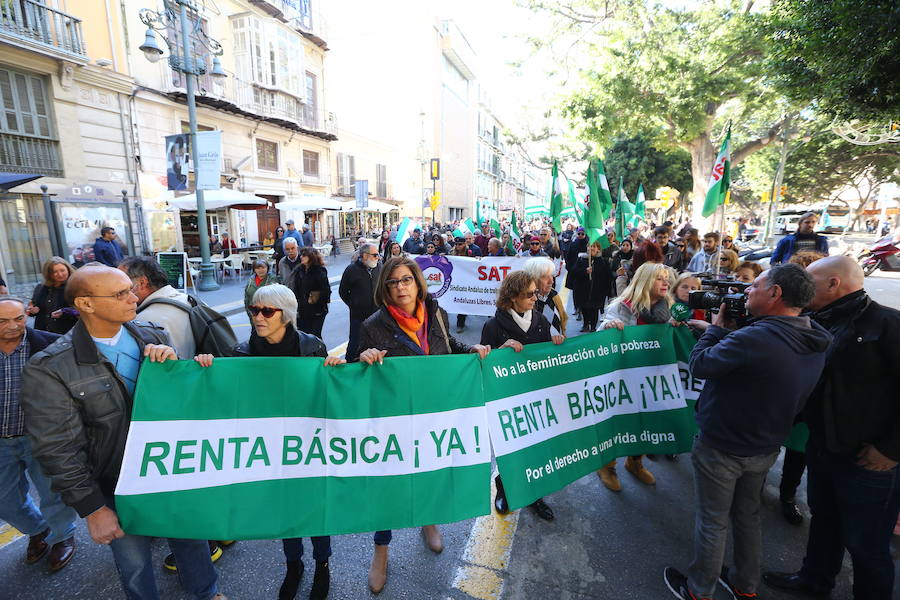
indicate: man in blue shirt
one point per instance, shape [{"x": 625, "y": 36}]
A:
[
  {"x": 292, "y": 232},
  {"x": 52, "y": 528},
  {"x": 804, "y": 239},
  {"x": 107, "y": 249}
]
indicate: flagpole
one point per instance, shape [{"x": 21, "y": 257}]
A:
[{"x": 718, "y": 255}]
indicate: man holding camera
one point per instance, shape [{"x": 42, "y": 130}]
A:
[
  {"x": 757, "y": 381},
  {"x": 854, "y": 440}
]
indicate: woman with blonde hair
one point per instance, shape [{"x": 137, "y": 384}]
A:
[
  {"x": 728, "y": 261},
  {"x": 646, "y": 301},
  {"x": 48, "y": 301}
]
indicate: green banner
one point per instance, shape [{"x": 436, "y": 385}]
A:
[
  {"x": 557, "y": 413},
  {"x": 267, "y": 448}
]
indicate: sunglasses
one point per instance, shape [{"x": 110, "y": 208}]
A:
[
  {"x": 580, "y": 233},
  {"x": 405, "y": 281},
  {"x": 535, "y": 243},
  {"x": 267, "y": 311},
  {"x": 531, "y": 294}
]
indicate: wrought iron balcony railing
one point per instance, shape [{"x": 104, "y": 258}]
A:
[{"x": 42, "y": 27}]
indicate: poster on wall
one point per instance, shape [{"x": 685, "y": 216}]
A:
[
  {"x": 178, "y": 159},
  {"x": 80, "y": 224},
  {"x": 209, "y": 159},
  {"x": 175, "y": 264}
]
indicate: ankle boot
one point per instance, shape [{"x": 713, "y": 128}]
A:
[
  {"x": 291, "y": 582},
  {"x": 433, "y": 538},
  {"x": 321, "y": 581},
  {"x": 636, "y": 467},
  {"x": 378, "y": 570},
  {"x": 501, "y": 504},
  {"x": 609, "y": 478}
]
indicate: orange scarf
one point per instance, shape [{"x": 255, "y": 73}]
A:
[{"x": 415, "y": 326}]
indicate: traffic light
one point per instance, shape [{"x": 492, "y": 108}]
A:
[
  {"x": 784, "y": 190},
  {"x": 765, "y": 199},
  {"x": 435, "y": 201}
]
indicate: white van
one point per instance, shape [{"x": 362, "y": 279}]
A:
[{"x": 786, "y": 224}]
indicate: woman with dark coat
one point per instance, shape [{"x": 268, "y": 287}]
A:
[
  {"x": 278, "y": 246},
  {"x": 274, "y": 312},
  {"x": 48, "y": 302},
  {"x": 313, "y": 292},
  {"x": 514, "y": 325},
  {"x": 594, "y": 283},
  {"x": 409, "y": 322},
  {"x": 576, "y": 247}
]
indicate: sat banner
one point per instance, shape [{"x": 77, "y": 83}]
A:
[{"x": 468, "y": 286}]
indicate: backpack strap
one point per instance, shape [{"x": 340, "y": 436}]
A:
[
  {"x": 191, "y": 300},
  {"x": 437, "y": 316}
]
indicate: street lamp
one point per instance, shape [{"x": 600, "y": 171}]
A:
[{"x": 182, "y": 59}]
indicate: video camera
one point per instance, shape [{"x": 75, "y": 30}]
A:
[{"x": 716, "y": 292}]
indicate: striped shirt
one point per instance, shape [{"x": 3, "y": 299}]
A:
[{"x": 12, "y": 420}]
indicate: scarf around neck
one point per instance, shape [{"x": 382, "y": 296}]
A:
[
  {"x": 415, "y": 326},
  {"x": 523, "y": 321}
]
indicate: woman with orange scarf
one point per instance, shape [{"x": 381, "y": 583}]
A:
[{"x": 409, "y": 322}]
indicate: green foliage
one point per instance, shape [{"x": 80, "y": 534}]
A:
[
  {"x": 842, "y": 54},
  {"x": 637, "y": 161}
]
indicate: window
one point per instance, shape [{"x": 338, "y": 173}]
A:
[
  {"x": 266, "y": 155},
  {"x": 346, "y": 174},
  {"x": 27, "y": 137},
  {"x": 381, "y": 181},
  {"x": 310, "y": 163},
  {"x": 311, "y": 109},
  {"x": 455, "y": 214},
  {"x": 268, "y": 54},
  {"x": 204, "y": 82}
]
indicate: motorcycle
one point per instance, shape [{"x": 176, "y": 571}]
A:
[{"x": 884, "y": 255}]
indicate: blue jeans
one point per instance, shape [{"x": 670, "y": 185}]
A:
[
  {"x": 16, "y": 506},
  {"x": 134, "y": 563},
  {"x": 353, "y": 349},
  {"x": 728, "y": 489},
  {"x": 293, "y": 548},
  {"x": 853, "y": 509}
]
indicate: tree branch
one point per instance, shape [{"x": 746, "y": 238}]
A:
[{"x": 759, "y": 143}]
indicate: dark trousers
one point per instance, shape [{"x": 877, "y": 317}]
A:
[
  {"x": 460, "y": 321},
  {"x": 791, "y": 473},
  {"x": 853, "y": 509},
  {"x": 383, "y": 538},
  {"x": 311, "y": 325},
  {"x": 353, "y": 342},
  {"x": 590, "y": 316},
  {"x": 293, "y": 548}
]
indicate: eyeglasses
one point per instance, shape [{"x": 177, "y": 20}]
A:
[
  {"x": 531, "y": 294},
  {"x": 535, "y": 243},
  {"x": 405, "y": 281},
  {"x": 580, "y": 233},
  {"x": 370, "y": 254},
  {"x": 726, "y": 241},
  {"x": 119, "y": 296},
  {"x": 267, "y": 311}
]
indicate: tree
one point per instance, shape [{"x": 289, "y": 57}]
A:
[
  {"x": 678, "y": 75},
  {"x": 637, "y": 161},
  {"x": 843, "y": 55}
]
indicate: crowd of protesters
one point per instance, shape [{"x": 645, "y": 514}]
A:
[{"x": 810, "y": 316}]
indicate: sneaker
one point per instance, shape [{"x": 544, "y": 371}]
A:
[
  {"x": 735, "y": 593},
  {"x": 215, "y": 553},
  {"x": 678, "y": 585}
]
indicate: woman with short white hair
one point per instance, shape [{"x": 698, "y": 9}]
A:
[
  {"x": 549, "y": 304},
  {"x": 273, "y": 313}
]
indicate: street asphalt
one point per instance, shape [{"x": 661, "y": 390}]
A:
[{"x": 601, "y": 545}]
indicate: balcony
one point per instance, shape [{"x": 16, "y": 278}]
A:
[
  {"x": 306, "y": 19},
  {"x": 23, "y": 154},
  {"x": 32, "y": 25}
]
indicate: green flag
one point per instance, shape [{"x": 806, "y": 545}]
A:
[
  {"x": 606, "y": 202},
  {"x": 720, "y": 180},
  {"x": 495, "y": 225},
  {"x": 640, "y": 207},
  {"x": 556, "y": 199},
  {"x": 594, "y": 219},
  {"x": 515, "y": 234},
  {"x": 624, "y": 213}
]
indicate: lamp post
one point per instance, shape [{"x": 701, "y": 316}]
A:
[{"x": 182, "y": 59}]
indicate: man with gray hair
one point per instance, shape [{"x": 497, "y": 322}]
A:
[
  {"x": 758, "y": 378},
  {"x": 160, "y": 303},
  {"x": 357, "y": 290},
  {"x": 288, "y": 267},
  {"x": 307, "y": 235}
]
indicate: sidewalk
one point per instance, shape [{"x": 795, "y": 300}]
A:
[{"x": 229, "y": 298}]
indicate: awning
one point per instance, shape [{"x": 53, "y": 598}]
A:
[
  {"x": 220, "y": 198},
  {"x": 311, "y": 202},
  {"x": 11, "y": 180},
  {"x": 374, "y": 206}
]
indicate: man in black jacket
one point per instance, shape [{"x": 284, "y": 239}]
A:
[
  {"x": 77, "y": 397},
  {"x": 357, "y": 290},
  {"x": 757, "y": 381},
  {"x": 853, "y": 415},
  {"x": 414, "y": 244},
  {"x": 52, "y": 528}
]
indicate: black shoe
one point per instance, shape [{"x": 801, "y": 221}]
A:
[
  {"x": 542, "y": 510},
  {"x": 651, "y": 457},
  {"x": 321, "y": 581},
  {"x": 791, "y": 512},
  {"x": 578, "y": 316},
  {"x": 215, "y": 553},
  {"x": 678, "y": 584},
  {"x": 672, "y": 457},
  {"x": 291, "y": 583},
  {"x": 735, "y": 593},
  {"x": 584, "y": 329},
  {"x": 501, "y": 504},
  {"x": 792, "y": 582}
]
